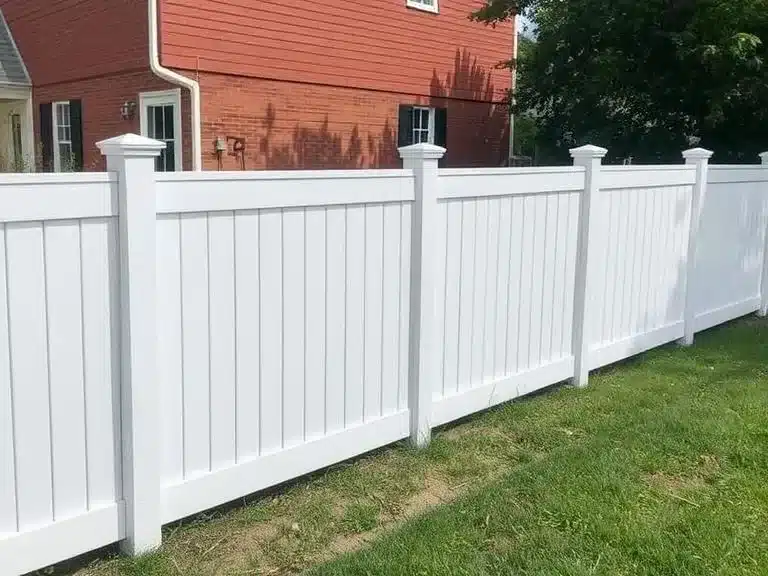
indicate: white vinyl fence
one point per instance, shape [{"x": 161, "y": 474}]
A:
[{"x": 172, "y": 342}]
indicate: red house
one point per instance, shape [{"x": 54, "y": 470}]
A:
[{"x": 263, "y": 84}]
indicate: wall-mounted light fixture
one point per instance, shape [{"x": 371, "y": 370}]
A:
[{"x": 128, "y": 110}]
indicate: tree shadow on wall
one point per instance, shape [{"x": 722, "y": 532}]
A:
[
  {"x": 478, "y": 114},
  {"x": 321, "y": 148}
]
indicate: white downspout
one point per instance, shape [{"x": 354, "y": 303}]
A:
[{"x": 179, "y": 80}]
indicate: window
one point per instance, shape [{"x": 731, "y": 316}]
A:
[
  {"x": 161, "y": 120},
  {"x": 63, "y": 160},
  {"x": 61, "y": 135},
  {"x": 419, "y": 124},
  {"x": 423, "y": 126},
  {"x": 428, "y": 5}
]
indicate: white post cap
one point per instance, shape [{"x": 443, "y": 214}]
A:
[
  {"x": 698, "y": 154},
  {"x": 764, "y": 157},
  {"x": 422, "y": 151},
  {"x": 131, "y": 145},
  {"x": 588, "y": 151}
]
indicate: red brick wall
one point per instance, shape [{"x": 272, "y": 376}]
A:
[
  {"x": 371, "y": 44},
  {"x": 102, "y": 99},
  {"x": 64, "y": 40},
  {"x": 291, "y": 125}
]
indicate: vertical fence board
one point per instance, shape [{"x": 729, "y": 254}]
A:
[
  {"x": 516, "y": 281},
  {"x": 491, "y": 287},
  {"x": 65, "y": 377},
  {"x": 293, "y": 326},
  {"x": 441, "y": 287},
  {"x": 502, "y": 287},
  {"x": 221, "y": 298},
  {"x": 466, "y": 291},
  {"x": 355, "y": 335},
  {"x": 374, "y": 262},
  {"x": 558, "y": 281},
  {"x": 452, "y": 306},
  {"x": 7, "y": 453},
  {"x": 391, "y": 288},
  {"x": 29, "y": 362},
  {"x": 405, "y": 306},
  {"x": 316, "y": 248},
  {"x": 335, "y": 342},
  {"x": 170, "y": 346},
  {"x": 478, "y": 305},
  {"x": 248, "y": 340},
  {"x": 528, "y": 277},
  {"x": 101, "y": 371},
  {"x": 272, "y": 336},
  {"x": 196, "y": 343}
]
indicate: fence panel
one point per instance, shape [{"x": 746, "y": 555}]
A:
[
  {"x": 729, "y": 259},
  {"x": 59, "y": 369},
  {"x": 640, "y": 249},
  {"x": 281, "y": 331},
  {"x": 505, "y": 262},
  {"x": 283, "y": 304}
]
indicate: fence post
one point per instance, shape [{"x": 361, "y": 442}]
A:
[
  {"x": 423, "y": 354},
  {"x": 591, "y": 158},
  {"x": 763, "y": 312},
  {"x": 133, "y": 159},
  {"x": 698, "y": 157}
]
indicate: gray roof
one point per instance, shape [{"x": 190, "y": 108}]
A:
[{"x": 12, "y": 68}]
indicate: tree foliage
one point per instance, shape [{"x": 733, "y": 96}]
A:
[{"x": 645, "y": 78}]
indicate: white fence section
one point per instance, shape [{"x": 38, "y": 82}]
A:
[
  {"x": 505, "y": 281},
  {"x": 59, "y": 368},
  {"x": 169, "y": 343},
  {"x": 731, "y": 244},
  {"x": 643, "y": 215},
  {"x": 283, "y": 326}
]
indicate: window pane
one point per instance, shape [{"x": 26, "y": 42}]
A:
[
  {"x": 170, "y": 156},
  {"x": 158, "y": 132},
  {"x": 169, "y": 127}
]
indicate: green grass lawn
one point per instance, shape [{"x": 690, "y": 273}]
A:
[{"x": 660, "y": 467}]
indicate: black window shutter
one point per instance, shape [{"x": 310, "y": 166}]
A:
[
  {"x": 441, "y": 130},
  {"x": 76, "y": 119},
  {"x": 405, "y": 126},
  {"x": 46, "y": 136}
]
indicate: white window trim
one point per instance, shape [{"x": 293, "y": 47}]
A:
[
  {"x": 421, "y": 6},
  {"x": 164, "y": 98},
  {"x": 431, "y": 135},
  {"x": 55, "y": 120}
]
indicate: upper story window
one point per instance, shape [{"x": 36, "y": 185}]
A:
[
  {"x": 423, "y": 126},
  {"x": 428, "y": 5}
]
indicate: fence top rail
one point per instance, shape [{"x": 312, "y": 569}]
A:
[
  {"x": 448, "y": 172},
  {"x": 617, "y": 178},
  {"x": 271, "y": 175},
  {"x": 50, "y": 178},
  {"x": 38, "y": 197},
  {"x": 649, "y": 168},
  {"x": 217, "y": 192},
  {"x": 725, "y": 174},
  {"x": 490, "y": 182}
]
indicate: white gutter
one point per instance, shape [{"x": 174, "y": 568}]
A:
[
  {"x": 179, "y": 80},
  {"x": 516, "y": 31}
]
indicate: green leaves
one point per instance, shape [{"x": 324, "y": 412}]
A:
[{"x": 644, "y": 78}]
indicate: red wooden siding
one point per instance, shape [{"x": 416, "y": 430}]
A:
[
  {"x": 65, "y": 40},
  {"x": 371, "y": 44}
]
